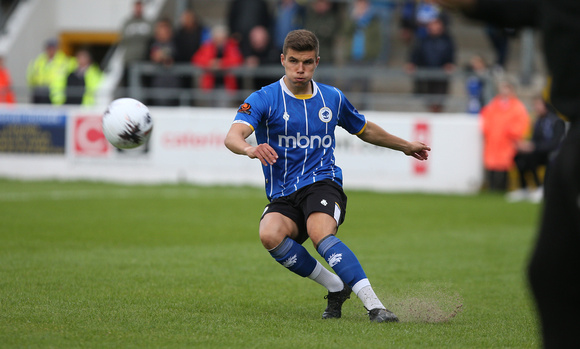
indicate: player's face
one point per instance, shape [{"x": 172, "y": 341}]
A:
[{"x": 299, "y": 68}]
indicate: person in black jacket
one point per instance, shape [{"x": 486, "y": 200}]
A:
[
  {"x": 434, "y": 51},
  {"x": 554, "y": 268},
  {"x": 547, "y": 134}
]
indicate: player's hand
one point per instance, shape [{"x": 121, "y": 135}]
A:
[
  {"x": 418, "y": 150},
  {"x": 263, "y": 152}
]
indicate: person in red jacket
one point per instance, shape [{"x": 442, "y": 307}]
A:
[
  {"x": 6, "y": 93},
  {"x": 504, "y": 122},
  {"x": 216, "y": 56}
]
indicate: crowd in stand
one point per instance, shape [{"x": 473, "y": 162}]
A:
[
  {"x": 253, "y": 32},
  {"x": 251, "y": 35}
]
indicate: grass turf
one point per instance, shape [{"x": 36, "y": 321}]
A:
[{"x": 103, "y": 265}]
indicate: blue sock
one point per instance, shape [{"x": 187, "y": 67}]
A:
[
  {"x": 341, "y": 259},
  {"x": 294, "y": 256}
]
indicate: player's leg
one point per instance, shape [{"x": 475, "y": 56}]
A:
[
  {"x": 555, "y": 263},
  {"x": 322, "y": 229},
  {"x": 325, "y": 208},
  {"x": 279, "y": 235}
]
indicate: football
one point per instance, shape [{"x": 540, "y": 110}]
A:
[{"x": 127, "y": 123}]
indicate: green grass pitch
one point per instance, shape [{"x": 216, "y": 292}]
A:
[{"x": 97, "y": 265}]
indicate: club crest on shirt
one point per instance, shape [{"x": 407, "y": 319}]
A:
[
  {"x": 245, "y": 108},
  {"x": 325, "y": 114}
]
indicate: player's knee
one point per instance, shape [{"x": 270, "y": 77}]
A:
[
  {"x": 274, "y": 227},
  {"x": 271, "y": 238}
]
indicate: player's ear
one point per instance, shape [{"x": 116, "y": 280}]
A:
[
  {"x": 282, "y": 59},
  {"x": 317, "y": 60}
]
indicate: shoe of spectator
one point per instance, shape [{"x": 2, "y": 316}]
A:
[
  {"x": 517, "y": 195},
  {"x": 537, "y": 195}
]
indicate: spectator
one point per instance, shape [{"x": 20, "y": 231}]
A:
[
  {"x": 262, "y": 53},
  {"x": 363, "y": 34},
  {"x": 504, "y": 122},
  {"x": 499, "y": 39},
  {"x": 322, "y": 19},
  {"x": 6, "y": 93},
  {"x": 80, "y": 86},
  {"x": 480, "y": 85},
  {"x": 408, "y": 20},
  {"x": 289, "y": 16},
  {"x": 47, "y": 70},
  {"x": 216, "y": 56},
  {"x": 243, "y": 15},
  {"x": 384, "y": 9},
  {"x": 426, "y": 12},
  {"x": 162, "y": 52},
  {"x": 135, "y": 36},
  {"x": 548, "y": 131},
  {"x": 189, "y": 36},
  {"x": 436, "y": 51}
]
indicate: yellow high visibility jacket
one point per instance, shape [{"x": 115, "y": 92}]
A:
[
  {"x": 43, "y": 72},
  {"x": 92, "y": 77}
]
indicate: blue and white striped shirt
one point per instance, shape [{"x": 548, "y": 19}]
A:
[{"x": 301, "y": 131}]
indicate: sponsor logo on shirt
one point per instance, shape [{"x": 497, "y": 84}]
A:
[
  {"x": 245, "y": 109},
  {"x": 304, "y": 142}
]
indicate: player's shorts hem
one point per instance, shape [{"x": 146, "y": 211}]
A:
[{"x": 325, "y": 196}]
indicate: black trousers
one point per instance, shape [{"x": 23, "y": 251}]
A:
[
  {"x": 529, "y": 163},
  {"x": 554, "y": 268}
]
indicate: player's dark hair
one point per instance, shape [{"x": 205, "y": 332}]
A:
[{"x": 300, "y": 40}]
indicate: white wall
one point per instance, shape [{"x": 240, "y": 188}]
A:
[
  {"x": 91, "y": 15},
  {"x": 187, "y": 145}
]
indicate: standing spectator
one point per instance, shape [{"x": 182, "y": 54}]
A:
[
  {"x": 188, "y": 37},
  {"x": 47, "y": 70},
  {"x": 262, "y": 53},
  {"x": 135, "y": 36},
  {"x": 289, "y": 16},
  {"x": 162, "y": 52},
  {"x": 363, "y": 34},
  {"x": 243, "y": 15},
  {"x": 6, "y": 93},
  {"x": 504, "y": 122},
  {"x": 216, "y": 56},
  {"x": 436, "y": 51},
  {"x": 499, "y": 38},
  {"x": 322, "y": 19},
  {"x": 479, "y": 84},
  {"x": 548, "y": 132},
  {"x": 80, "y": 86},
  {"x": 384, "y": 9},
  {"x": 408, "y": 20}
]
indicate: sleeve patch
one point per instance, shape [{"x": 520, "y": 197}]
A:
[{"x": 245, "y": 108}]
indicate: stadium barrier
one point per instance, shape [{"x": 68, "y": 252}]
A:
[{"x": 187, "y": 146}]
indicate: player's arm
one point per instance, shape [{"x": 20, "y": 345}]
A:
[
  {"x": 236, "y": 142},
  {"x": 376, "y": 135}
]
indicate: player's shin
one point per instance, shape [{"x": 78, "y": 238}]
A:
[
  {"x": 347, "y": 266},
  {"x": 294, "y": 256}
]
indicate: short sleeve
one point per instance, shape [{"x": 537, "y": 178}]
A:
[
  {"x": 349, "y": 118},
  {"x": 252, "y": 110}
]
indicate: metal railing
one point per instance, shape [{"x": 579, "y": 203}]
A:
[{"x": 358, "y": 83}]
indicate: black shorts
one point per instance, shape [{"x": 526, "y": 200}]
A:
[{"x": 325, "y": 196}]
